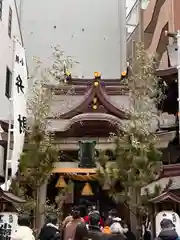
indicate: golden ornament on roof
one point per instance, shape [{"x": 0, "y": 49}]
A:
[
  {"x": 68, "y": 73},
  {"x": 94, "y": 107},
  {"x": 96, "y": 84},
  {"x": 97, "y": 74},
  {"x": 94, "y": 100},
  {"x": 123, "y": 74}
]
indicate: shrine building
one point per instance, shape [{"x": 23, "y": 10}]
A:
[{"x": 85, "y": 113}]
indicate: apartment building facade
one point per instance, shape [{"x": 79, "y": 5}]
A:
[
  {"x": 9, "y": 28},
  {"x": 134, "y": 19},
  {"x": 159, "y": 16},
  {"x": 147, "y": 21}
]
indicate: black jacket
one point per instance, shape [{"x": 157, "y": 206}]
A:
[
  {"x": 49, "y": 232},
  {"x": 168, "y": 234},
  {"x": 130, "y": 236}
]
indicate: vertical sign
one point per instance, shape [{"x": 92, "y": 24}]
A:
[
  {"x": 8, "y": 224},
  {"x": 19, "y": 99}
]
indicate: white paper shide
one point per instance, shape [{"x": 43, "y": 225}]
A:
[{"x": 19, "y": 95}]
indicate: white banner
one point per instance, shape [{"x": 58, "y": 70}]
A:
[
  {"x": 19, "y": 100},
  {"x": 8, "y": 224}
]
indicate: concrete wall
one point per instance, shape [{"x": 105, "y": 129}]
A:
[
  {"x": 6, "y": 52},
  {"x": 88, "y": 30}
]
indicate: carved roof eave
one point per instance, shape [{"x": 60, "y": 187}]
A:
[
  {"x": 9, "y": 197},
  {"x": 100, "y": 93},
  {"x": 168, "y": 72},
  {"x": 166, "y": 196}
]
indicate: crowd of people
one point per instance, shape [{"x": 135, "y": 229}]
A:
[
  {"x": 75, "y": 227},
  {"x": 91, "y": 227}
]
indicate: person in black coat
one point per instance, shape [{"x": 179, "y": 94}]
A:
[
  {"x": 50, "y": 231},
  {"x": 128, "y": 233},
  {"x": 168, "y": 231}
]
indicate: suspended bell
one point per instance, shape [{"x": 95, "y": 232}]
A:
[
  {"x": 106, "y": 186},
  {"x": 87, "y": 191},
  {"x": 61, "y": 183}
]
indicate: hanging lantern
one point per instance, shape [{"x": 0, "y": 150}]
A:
[
  {"x": 61, "y": 183},
  {"x": 87, "y": 191}
]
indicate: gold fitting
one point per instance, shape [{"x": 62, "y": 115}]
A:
[
  {"x": 68, "y": 73},
  {"x": 123, "y": 74},
  {"x": 97, "y": 74},
  {"x": 96, "y": 84},
  {"x": 94, "y": 107},
  {"x": 94, "y": 100}
]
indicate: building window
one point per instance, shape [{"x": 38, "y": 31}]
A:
[
  {"x": 8, "y": 83},
  {"x": 1, "y": 9},
  {"x": 10, "y": 22}
]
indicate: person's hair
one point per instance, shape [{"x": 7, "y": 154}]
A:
[
  {"x": 24, "y": 221},
  {"x": 108, "y": 222},
  {"x": 94, "y": 219},
  {"x": 166, "y": 223},
  {"x": 76, "y": 213},
  {"x": 89, "y": 209},
  {"x": 113, "y": 213},
  {"x": 52, "y": 219},
  {"x": 67, "y": 220}
]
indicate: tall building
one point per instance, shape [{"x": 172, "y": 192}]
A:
[
  {"x": 89, "y": 31},
  {"x": 9, "y": 28},
  {"x": 134, "y": 18},
  {"x": 147, "y": 20},
  {"x": 159, "y": 16}
]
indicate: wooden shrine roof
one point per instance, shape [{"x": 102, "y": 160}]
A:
[
  {"x": 9, "y": 197},
  {"x": 166, "y": 197},
  {"x": 84, "y": 104},
  {"x": 167, "y": 72}
]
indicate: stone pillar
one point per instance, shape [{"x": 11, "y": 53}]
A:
[
  {"x": 133, "y": 220},
  {"x": 42, "y": 202},
  {"x": 133, "y": 217}
]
